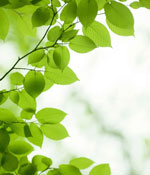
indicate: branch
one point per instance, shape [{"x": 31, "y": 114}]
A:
[{"x": 17, "y": 89}]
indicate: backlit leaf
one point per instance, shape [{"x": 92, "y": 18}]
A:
[
  {"x": 103, "y": 169},
  {"x": 36, "y": 56},
  {"x": 4, "y": 140},
  {"x": 69, "y": 170},
  {"x": 16, "y": 78}
]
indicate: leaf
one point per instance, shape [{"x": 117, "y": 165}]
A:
[
  {"x": 4, "y": 140},
  {"x": 36, "y": 57},
  {"x": 65, "y": 77},
  {"x": 54, "y": 172},
  {"x": 119, "y": 15},
  {"x": 135, "y": 5},
  {"x": 20, "y": 148},
  {"x": 14, "y": 97},
  {"x": 26, "y": 102},
  {"x": 101, "y": 4},
  {"x": 7, "y": 116},
  {"x": 50, "y": 59},
  {"x": 9, "y": 162},
  {"x": 69, "y": 12},
  {"x": 27, "y": 169},
  {"x": 68, "y": 35},
  {"x": 4, "y": 23},
  {"x": 82, "y": 44},
  {"x": 54, "y": 131},
  {"x": 26, "y": 115},
  {"x": 81, "y": 163},
  {"x": 18, "y": 128},
  {"x": 41, "y": 162},
  {"x": 40, "y": 16},
  {"x": 27, "y": 131},
  {"x": 87, "y": 11},
  {"x": 54, "y": 34},
  {"x": 3, "y": 96},
  {"x": 98, "y": 33},
  {"x": 50, "y": 116},
  {"x": 61, "y": 57},
  {"x": 103, "y": 169},
  {"x": 69, "y": 170},
  {"x": 145, "y": 3},
  {"x": 16, "y": 78},
  {"x": 48, "y": 84},
  {"x": 37, "y": 135},
  {"x": 18, "y": 3},
  {"x": 34, "y": 83},
  {"x": 3, "y": 2}
]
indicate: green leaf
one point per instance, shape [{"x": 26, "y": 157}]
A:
[
  {"x": 61, "y": 57},
  {"x": 81, "y": 162},
  {"x": 135, "y": 5},
  {"x": 69, "y": 170},
  {"x": 18, "y": 128},
  {"x": 4, "y": 23},
  {"x": 48, "y": 84},
  {"x": 50, "y": 116},
  {"x": 50, "y": 59},
  {"x": 3, "y": 96},
  {"x": 36, "y": 56},
  {"x": 7, "y": 116},
  {"x": 16, "y": 78},
  {"x": 9, "y": 162},
  {"x": 4, "y": 140},
  {"x": 119, "y": 15},
  {"x": 18, "y": 3},
  {"x": 103, "y": 169},
  {"x": 40, "y": 16},
  {"x": 27, "y": 131},
  {"x": 82, "y": 44},
  {"x": 26, "y": 115},
  {"x": 69, "y": 12},
  {"x": 26, "y": 102},
  {"x": 3, "y": 2},
  {"x": 145, "y": 3},
  {"x": 87, "y": 11},
  {"x": 101, "y": 4},
  {"x": 27, "y": 169},
  {"x": 14, "y": 97},
  {"x": 41, "y": 162},
  {"x": 54, "y": 34},
  {"x": 65, "y": 77},
  {"x": 37, "y": 135},
  {"x": 54, "y": 131},
  {"x": 68, "y": 35},
  {"x": 34, "y": 83},
  {"x": 54, "y": 172},
  {"x": 20, "y": 148},
  {"x": 98, "y": 33}
]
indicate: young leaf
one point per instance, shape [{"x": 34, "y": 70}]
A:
[
  {"x": 101, "y": 4},
  {"x": 135, "y": 4},
  {"x": 50, "y": 115},
  {"x": 61, "y": 57},
  {"x": 69, "y": 12},
  {"x": 48, "y": 84},
  {"x": 54, "y": 34},
  {"x": 26, "y": 115},
  {"x": 54, "y": 131},
  {"x": 18, "y": 128},
  {"x": 7, "y": 116},
  {"x": 4, "y": 23},
  {"x": 37, "y": 135},
  {"x": 65, "y": 77},
  {"x": 3, "y": 96},
  {"x": 87, "y": 11},
  {"x": 50, "y": 59},
  {"x": 98, "y": 33},
  {"x": 4, "y": 140},
  {"x": 36, "y": 56},
  {"x": 56, "y": 171},
  {"x": 27, "y": 131},
  {"x": 68, "y": 35},
  {"x": 69, "y": 170},
  {"x": 145, "y": 3},
  {"x": 16, "y": 78},
  {"x": 34, "y": 83},
  {"x": 81, "y": 162},
  {"x": 103, "y": 169},
  {"x": 20, "y": 148},
  {"x": 14, "y": 97},
  {"x": 27, "y": 169},
  {"x": 40, "y": 16},
  {"x": 82, "y": 44}
]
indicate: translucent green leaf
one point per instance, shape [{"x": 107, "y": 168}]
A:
[
  {"x": 65, "y": 77},
  {"x": 68, "y": 35},
  {"x": 54, "y": 131},
  {"x": 9, "y": 162},
  {"x": 98, "y": 33},
  {"x": 26, "y": 115},
  {"x": 18, "y": 128},
  {"x": 7, "y": 116},
  {"x": 37, "y": 135},
  {"x": 69, "y": 170},
  {"x": 4, "y": 23},
  {"x": 82, "y": 44},
  {"x": 87, "y": 11},
  {"x": 40, "y": 16},
  {"x": 41, "y": 162},
  {"x": 26, "y": 102},
  {"x": 145, "y": 3},
  {"x": 3, "y": 96},
  {"x": 61, "y": 57},
  {"x": 50, "y": 115},
  {"x": 48, "y": 84},
  {"x": 27, "y": 169},
  {"x": 36, "y": 56},
  {"x": 18, "y": 3},
  {"x": 34, "y": 83},
  {"x": 69, "y": 12},
  {"x": 27, "y": 131},
  {"x": 56, "y": 3},
  {"x": 54, "y": 172},
  {"x": 4, "y": 140},
  {"x": 20, "y": 148},
  {"x": 50, "y": 59},
  {"x": 23, "y": 160},
  {"x": 101, "y": 4},
  {"x": 103, "y": 169},
  {"x": 16, "y": 78},
  {"x": 135, "y": 5},
  {"x": 119, "y": 15},
  {"x": 54, "y": 34},
  {"x": 14, "y": 97},
  {"x": 3, "y": 2},
  {"x": 81, "y": 162}
]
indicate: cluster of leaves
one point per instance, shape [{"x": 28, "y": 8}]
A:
[{"x": 48, "y": 65}]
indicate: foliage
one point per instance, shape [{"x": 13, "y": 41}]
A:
[{"x": 47, "y": 65}]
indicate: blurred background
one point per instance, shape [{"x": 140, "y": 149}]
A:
[{"x": 108, "y": 109}]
